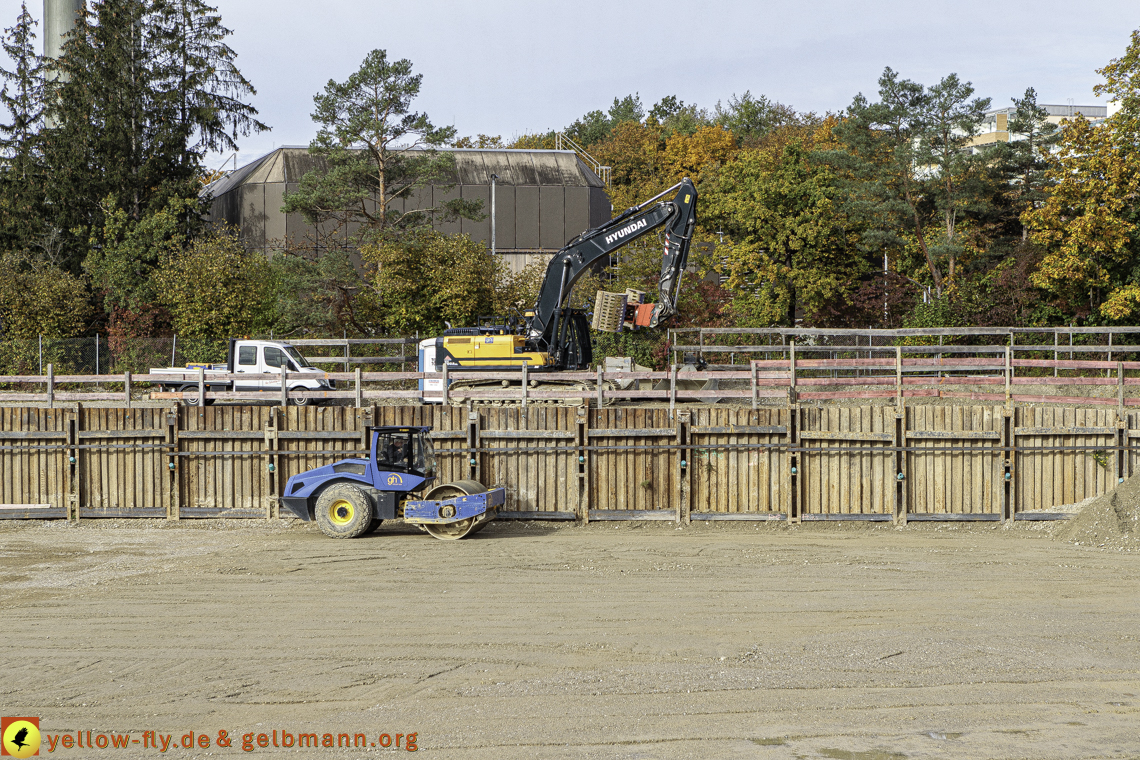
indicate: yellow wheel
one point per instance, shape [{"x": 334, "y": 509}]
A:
[{"x": 343, "y": 510}]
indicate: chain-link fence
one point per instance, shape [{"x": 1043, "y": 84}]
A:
[{"x": 88, "y": 356}]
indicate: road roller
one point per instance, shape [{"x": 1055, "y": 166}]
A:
[{"x": 351, "y": 498}]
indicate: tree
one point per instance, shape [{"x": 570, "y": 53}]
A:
[
  {"x": 37, "y": 298},
  {"x": 124, "y": 253},
  {"x": 214, "y": 290},
  {"x": 378, "y": 151},
  {"x": 1090, "y": 222},
  {"x": 955, "y": 183},
  {"x": 790, "y": 245},
  {"x": 1026, "y": 160},
  {"x": 143, "y": 89},
  {"x": 322, "y": 294},
  {"x": 907, "y": 174},
  {"x": 751, "y": 119},
  {"x": 198, "y": 76},
  {"x": 23, "y": 178},
  {"x": 426, "y": 280}
]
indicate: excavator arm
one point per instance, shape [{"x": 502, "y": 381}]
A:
[{"x": 548, "y": 327}]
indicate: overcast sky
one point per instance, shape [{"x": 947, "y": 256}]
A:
[{"x": 507, "y": 67}]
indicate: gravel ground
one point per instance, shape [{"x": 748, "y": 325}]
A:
[{"x": 856, "y": 641}]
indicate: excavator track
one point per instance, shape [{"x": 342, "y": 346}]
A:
[{"x": 500, "y": 385}]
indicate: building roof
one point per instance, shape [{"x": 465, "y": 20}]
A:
[{"x": 473, "y": 166}]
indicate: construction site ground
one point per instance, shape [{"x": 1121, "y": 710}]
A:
[{"x": 613, "y": 640}]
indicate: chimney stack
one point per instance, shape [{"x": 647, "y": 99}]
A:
[{"x": 59, "y": 19}]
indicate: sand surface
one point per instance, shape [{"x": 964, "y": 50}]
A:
[{"x": 844, "y": 641}]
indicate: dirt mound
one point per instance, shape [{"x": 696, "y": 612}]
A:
[{"x": 1111, "y": 521}]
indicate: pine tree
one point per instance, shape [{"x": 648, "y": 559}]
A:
[
  {"x": 145, "y": 89},
  {"x": 201, "y": 80},
  {"x": 378, "y": 151},
  {"x": 22, "y": 178},
  {"x": 1025, "y": 159}
]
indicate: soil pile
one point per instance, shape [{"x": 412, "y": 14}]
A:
[{"x": 1111, "y": 521}]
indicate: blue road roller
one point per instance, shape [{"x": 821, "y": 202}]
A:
[{"x": 353, "y": 497}]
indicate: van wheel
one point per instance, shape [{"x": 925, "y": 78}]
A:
[
  {"x": 301, "y": 400},
  {"x": 343, "y": 511},
  {"x": 192, "y": 398}
]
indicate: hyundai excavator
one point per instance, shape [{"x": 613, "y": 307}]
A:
[{"x": 553, "y": 337}]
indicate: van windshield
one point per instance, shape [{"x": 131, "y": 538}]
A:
[{"x": 295, "y": 355}]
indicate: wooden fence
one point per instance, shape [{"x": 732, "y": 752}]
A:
[{"x": 796, "y": 462}]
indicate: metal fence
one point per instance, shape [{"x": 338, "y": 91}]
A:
[{"x": 730, "y": 346}]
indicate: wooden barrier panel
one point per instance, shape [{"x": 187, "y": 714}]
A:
[
  {"x": 958, "y": 465},
  {"x": 1051, "y": 478},
  {"x": 849, "y": 471},
  {"x": 743, "y": 481},
  {"x": 35, "y": 481},
  {"x": 123, "y": 468},
  {"x": 560, "y": 462},
  {"x": 630, "y": 470}
]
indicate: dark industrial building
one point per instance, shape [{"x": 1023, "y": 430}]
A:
[{"x": 542, "y": 199}]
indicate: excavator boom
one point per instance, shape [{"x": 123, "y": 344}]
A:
[{"x": 547, "y": 327}]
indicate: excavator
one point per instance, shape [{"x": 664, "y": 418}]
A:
[{"x": 553, "y": 337}]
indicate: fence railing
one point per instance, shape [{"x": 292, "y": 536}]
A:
[
  {"x": 1069, "y": 342},
  {"x": 791, "y": 379}
]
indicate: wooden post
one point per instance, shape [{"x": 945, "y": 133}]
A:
[
  {"x": 898, "y": 380},
  {"x": 524, "y": 382},
  {"x": 173, "y": 466},
  {"x": 1009, "y": 373},
  {"x": 901, "y": 461},
  {"x": 684, "y": 467},
  {"x": 127, "y": 387},
  {"x": 601, "y": 398},
  {"x": 50, "y": 386},
  {"x": 346, "y": 357},
  {"x": 792, "y": 396},
  {"x": 272, "y": 464},
  {"x": 74, "y": 455},
  {"x": 446, "y": 400},
  {"x": 1120, "y": 390},
  {"x": 1009, "y": 441},
  {"x": 755, "y": 400},
  {"x": 791, "y": 465},
  {"x": 202, "y": 386},
  {"x": 359, "y": 390},
  {"x": 672, "y": 390},
  {"x": 584, "y": 464},
  {"x": 473, "y": 443},
  {"x": 1056, "y": 356}
]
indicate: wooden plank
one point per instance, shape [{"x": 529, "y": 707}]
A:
[
  {"x": 739, "y": 430},
  {"x": 527, "y": 434},
  {"x": 956, "y": 435},
  {"x": 628, "y": 432},
  {"x": 32, "y": 435},
  {"x": 845, "y": 435},
  {"x": 634, "y": 514},
  {"x": 1066, "y": 430}
]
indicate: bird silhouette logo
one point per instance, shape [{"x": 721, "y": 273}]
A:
[{"x": 21, "y": 737}]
